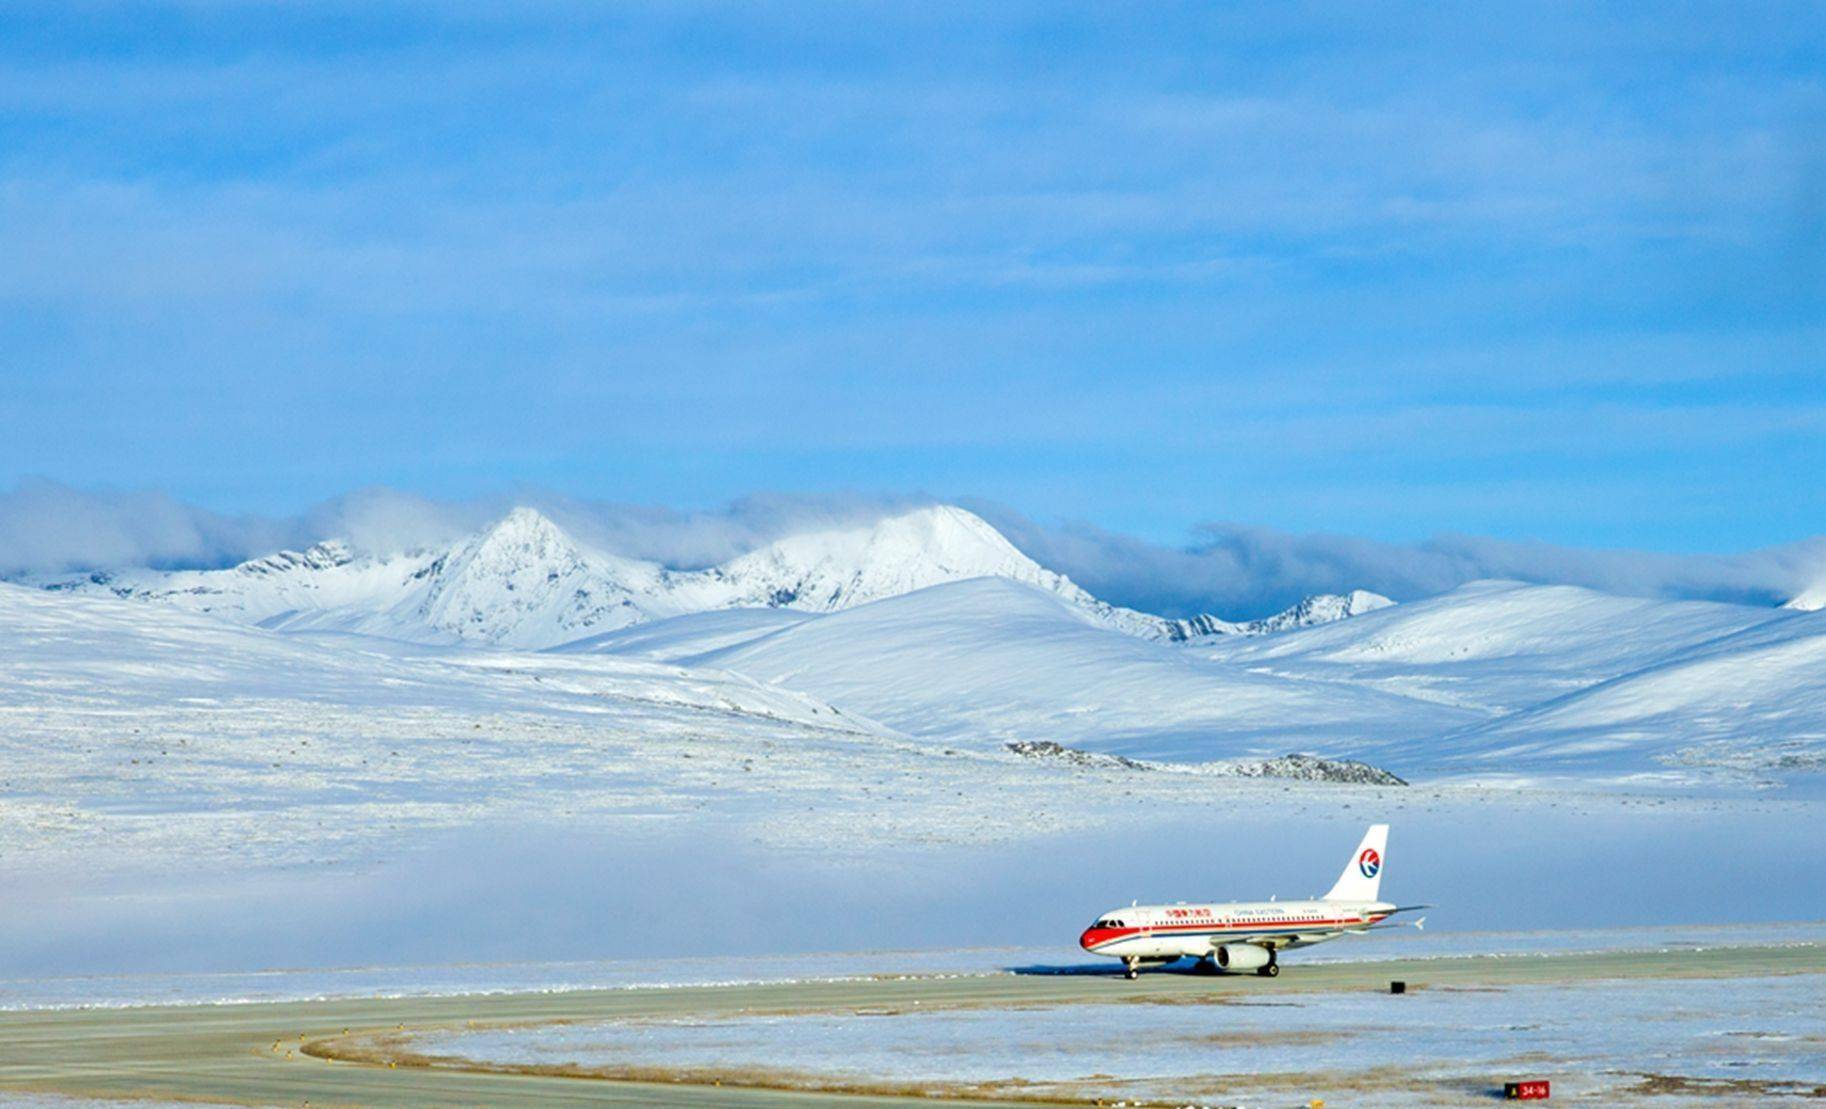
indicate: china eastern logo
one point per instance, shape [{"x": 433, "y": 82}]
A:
[{"x": 1369, "y": 862}]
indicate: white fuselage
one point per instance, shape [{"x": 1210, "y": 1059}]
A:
[{"x": 1165, "y": 932}]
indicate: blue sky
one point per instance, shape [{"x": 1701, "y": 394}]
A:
[{"x": 1343, "y": 269}]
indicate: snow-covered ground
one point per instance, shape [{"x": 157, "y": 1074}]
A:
[
  {"x": 136, "y": 732},
  {"x": 684, "y": 637},
  {"x": 1753, "y": 1038}
]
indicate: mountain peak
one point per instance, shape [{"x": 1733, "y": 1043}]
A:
[
  {"x": 1812, "y": 599},
  {"x": 941, "y": 529},
  {"x": 523, "y": 580},
  {"x": 840, "y": 567},
  {"x": 318, "y": 556},
  {"x": 1320, "y": 608},
  {"x": 523, "y": 542},
  {"x": 946, "y": 523},
  {"x": 526, "y": 529}
]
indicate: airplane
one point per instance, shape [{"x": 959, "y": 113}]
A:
[{"x": 1249, "y": 935}]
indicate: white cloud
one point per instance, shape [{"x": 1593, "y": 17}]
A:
[
  {"x": 47, "y": 526},
  {"x": 1240, "y": 571}
]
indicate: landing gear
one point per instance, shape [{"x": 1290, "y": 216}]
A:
[
  {"x": 1271, "y": 969},
  {"x": 1131, "y": 967}
]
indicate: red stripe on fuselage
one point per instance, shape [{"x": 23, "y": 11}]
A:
[{"x": 1094, "y": 938}]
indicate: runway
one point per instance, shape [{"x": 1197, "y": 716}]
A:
[{"x": 269, "y": 1053}]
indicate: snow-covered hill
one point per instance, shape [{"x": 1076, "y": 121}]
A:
[
  {"x": 1576, "y": 681},
  {"x": 1493, "y": 676},
  {"x": 1320, "y": 608},
  {"x": 1493, "y": 646},
  {"x": 524, "y": 582},
  {"x": 683, "y": 637},
  {"x": 57, "y": 647},
  {"x": 997, "y": 660},
  {"x": 1752, "y": 700}
]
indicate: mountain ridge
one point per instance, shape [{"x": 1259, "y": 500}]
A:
[{"x": 524, "y": 581}]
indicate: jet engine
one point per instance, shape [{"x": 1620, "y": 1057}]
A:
[{"x": 1243, "y": 956}]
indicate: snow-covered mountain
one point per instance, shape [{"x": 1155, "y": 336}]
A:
[
  {"x": 993, "y": 659},
  {"x": 1320, "y": 608},
  {"x": 1753, "y": 700},
  {"x": 1492, "y": 678},
  {"x": 1494, "y": 646},
  {"x": 825, "y": 571},
  {"x": 1812, "y": 599},
  {"x": 525, "y": 582},
  {"x": 1576, "y": 680},
  {"x": 933, "y": 626},
  {"x": 521, "y": 582}
]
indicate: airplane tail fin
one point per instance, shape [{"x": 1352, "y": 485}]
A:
[{"x": 1362, "y": 876}]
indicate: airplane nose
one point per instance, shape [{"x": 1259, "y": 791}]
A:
[{"x": 1086, "y": 939}]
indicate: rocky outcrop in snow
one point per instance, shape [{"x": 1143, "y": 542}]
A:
[
  {"x": 1294, "y": 767},
  {"x": 1311, "y": 768},
  {"x": 1047, "y": 749}
]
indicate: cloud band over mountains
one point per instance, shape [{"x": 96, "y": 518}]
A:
[
  {"x": 1236, "y": 569},
  {"x": 1231, "y": 569}
]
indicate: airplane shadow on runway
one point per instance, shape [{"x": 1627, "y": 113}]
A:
[{"x": 1192, "y": 967}]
